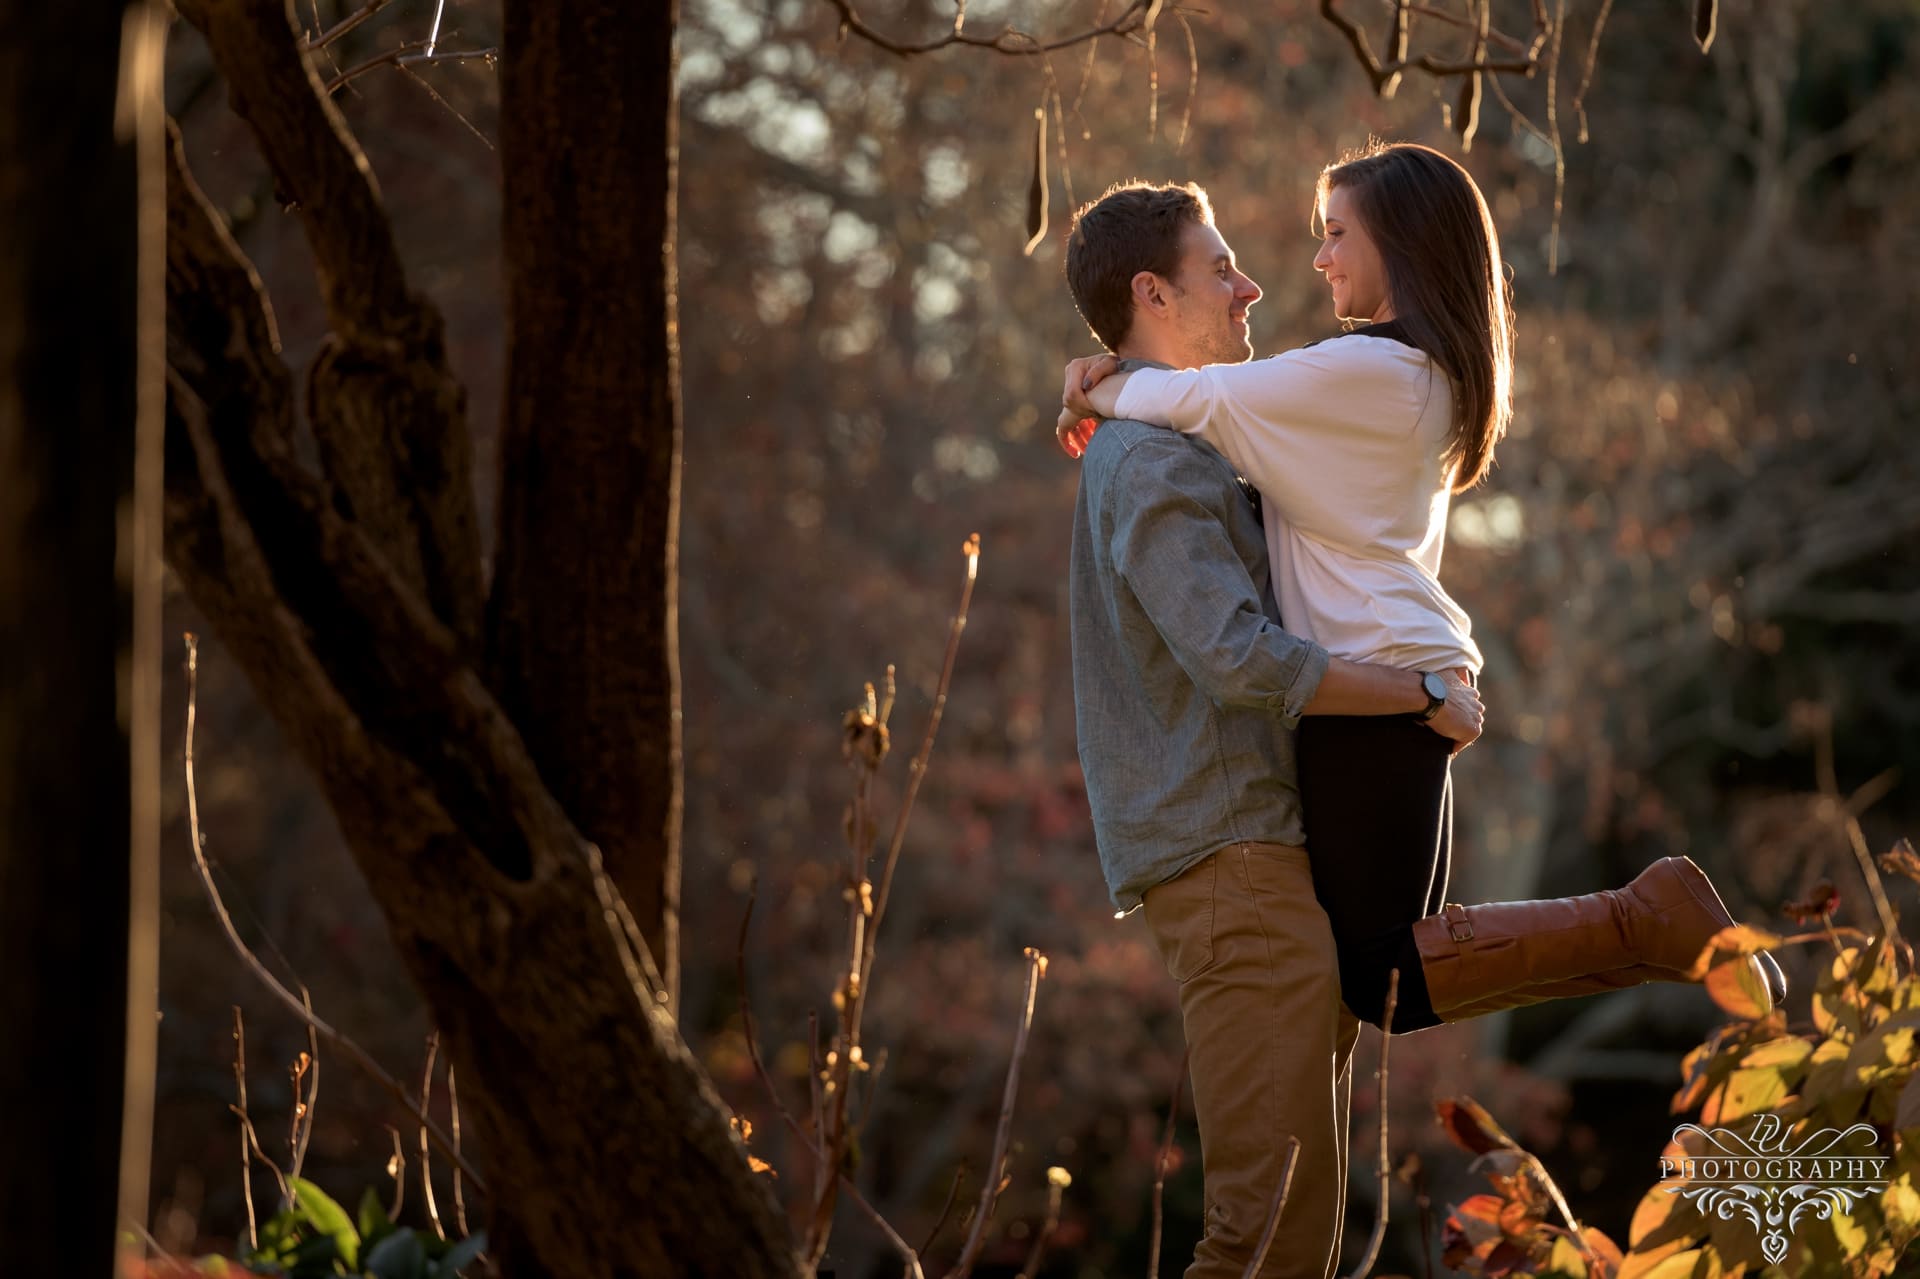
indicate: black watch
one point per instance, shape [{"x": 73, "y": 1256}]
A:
[{"x": 1435, "y": 687}]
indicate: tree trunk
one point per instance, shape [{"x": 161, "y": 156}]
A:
[
  {"x": 605, "y": 1150},
  {"x": 79, "y": 615},
  {"x": 590, "y": 488}
]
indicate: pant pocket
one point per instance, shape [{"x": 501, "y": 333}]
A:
[{"x": 1180, "y": 913}]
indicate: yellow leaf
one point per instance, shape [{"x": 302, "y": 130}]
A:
[
  {"x": 1778, "y": 1053},
  {"x": 1737, "y": 988},
  {"x": 1746, "y": 1092},
  {"x": 758, "y": 1164},
  {"x": 1566, "y": 1261},
  {"x": 1691, "y": 1264}
]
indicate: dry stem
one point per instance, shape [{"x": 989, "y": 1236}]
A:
[
  {"x": 426, "y": 1162},
  {"x": 1273, "y": 1212},
  {"x": 1372, "y": 1254},
  {"x": 246, "y": 1153},
  {"x": 1160, "y": 1168},
  {"x": 1008, "y": 40},
  {"x": 355, "y": 1053},
  {"x": 990, "y": 1192}
]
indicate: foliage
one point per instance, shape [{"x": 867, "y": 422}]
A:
[
  {"x": 312, "y": 1237},
  {"x": 1853, "y": 1063}
]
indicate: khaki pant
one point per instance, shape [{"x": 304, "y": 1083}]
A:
[{"x": 1270, "y": 1054}]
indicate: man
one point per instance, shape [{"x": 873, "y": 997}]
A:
[{"x": 1187, "y": 692}]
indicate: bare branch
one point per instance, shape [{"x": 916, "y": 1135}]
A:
[
  {"x": 990, "y": 1191},
  {"x": 355, "y": 1053},
  {"x": 426, "y": 1160},
  {"x": 246, "y": 1149},
  {"x": 1009, "y": 40},
  {"x": 946, "y": 1209},
  {"x": 321, "y": 39},
  {"x": 1273, "y": 1212},
  {"x": 1160, "y": 1162},
  {"x": 1058, "y": 1180},
  {"x": 406, "y": 56},
  {"x": 1379, "y": 1235},
  {"x": 1523, "y": 60},
  {"x": 453, "y": 1126}
]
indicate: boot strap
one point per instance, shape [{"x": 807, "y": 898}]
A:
[{"x": 1459, "y": 926}]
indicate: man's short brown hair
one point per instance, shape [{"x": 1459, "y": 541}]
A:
[{"x": 1136, "y": 226}]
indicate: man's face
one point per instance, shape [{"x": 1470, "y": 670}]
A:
[
  {"x": 1351, "y": 262},
  {"x": 1211, "y": 297}
]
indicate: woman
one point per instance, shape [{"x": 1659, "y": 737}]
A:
[{"x": 1356, "y": 445}]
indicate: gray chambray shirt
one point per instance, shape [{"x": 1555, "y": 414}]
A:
[{"x": 1186, "y": 690}]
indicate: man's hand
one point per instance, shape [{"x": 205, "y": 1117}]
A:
[
  {"x": 1075, "y": 432},
  {"x": 1461, "y": 718}
]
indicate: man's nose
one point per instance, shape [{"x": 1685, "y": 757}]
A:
[{"x": 1248, "y": 289}]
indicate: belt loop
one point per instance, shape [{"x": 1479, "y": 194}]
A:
[{"x": 1459, "y": 926}]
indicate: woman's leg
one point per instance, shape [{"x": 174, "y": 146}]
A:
[{"x": 1378, "y": 802}]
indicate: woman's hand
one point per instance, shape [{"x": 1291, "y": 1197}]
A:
[
  {"x": 1075, "y": 432},
  {"x": 1082, "y": 376},
  {"x": 1463, "y": 715}
]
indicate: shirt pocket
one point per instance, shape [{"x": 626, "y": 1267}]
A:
[{"x": 1180, "y": 913}]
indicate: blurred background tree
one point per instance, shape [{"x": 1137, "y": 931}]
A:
[{"x": 1693, "y": 571}]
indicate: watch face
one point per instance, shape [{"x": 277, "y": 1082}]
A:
[{"x": 1435, "y": 685}]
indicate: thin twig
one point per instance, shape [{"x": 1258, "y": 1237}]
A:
[
  {"x": 918, "y": 769},
  {"x": 1383, "y": 74},
  {"x": 1009, "y": 40},
  {"x": 1160, "y": 1161},
  {"x": 246, "y": 1150},
  {"x": 1278, "y": 1206},
  {"x": 355, "y": 1053},
  {"x": 905, "y": 1249},
  {"x": 1057, "y": 1182},
  {"x": 321, "y": 39},
  {"x": 409, "y": 54},
  {"x": 946, "y": 1209},
  {"x": 452, "y": 110},
  {"x": 1553, "y": 131},
  {"x": 397, "y": 1168},
  {"x": 297, "y": 1075},
  {"x": 453, "y": 1126},
  {"x": 1586, "y": 73},
  {"x": 426, "y": 1162},
  {"x": 253, "y": 1137},
  {"x": 990, "y": 1192},
  {"x": 1372, "y": 1254},
  {"x": 308, "y": 1109},
  {"x": 1193, "y": 87}
]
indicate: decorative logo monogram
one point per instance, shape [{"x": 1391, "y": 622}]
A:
[{"x": 1757, "y": 1178}]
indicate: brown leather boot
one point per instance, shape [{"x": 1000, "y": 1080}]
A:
[{"x": 1482, "y": 959}]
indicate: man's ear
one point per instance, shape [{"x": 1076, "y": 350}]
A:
[{"x": 1151, "y": 292}]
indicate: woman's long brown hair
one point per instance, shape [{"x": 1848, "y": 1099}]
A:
[{"x": 1445, "y": 280}]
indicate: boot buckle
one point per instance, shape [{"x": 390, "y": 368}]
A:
[{"x": 1459, "y": 926}]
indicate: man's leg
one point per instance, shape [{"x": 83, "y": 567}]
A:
[{"x": 1260, "y": 997}]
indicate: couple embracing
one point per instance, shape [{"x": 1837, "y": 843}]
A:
[{"x": 1270, "y": 682}]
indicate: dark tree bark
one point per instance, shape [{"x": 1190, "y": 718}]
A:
[
  {"x": 590, "y": 492},
  {"x": 351, "y": 599},
  {"x": 79, "y": 615}
]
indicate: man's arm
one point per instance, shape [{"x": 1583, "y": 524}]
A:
[{"x": 1172, "y": 550}]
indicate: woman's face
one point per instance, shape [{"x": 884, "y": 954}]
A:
[{"x": 1351, "y": 263}]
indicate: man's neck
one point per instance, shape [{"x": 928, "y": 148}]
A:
[{"x": 1155, "y": 352}]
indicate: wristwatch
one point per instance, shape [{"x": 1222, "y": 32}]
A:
[{"x": 1435, "y": 687}]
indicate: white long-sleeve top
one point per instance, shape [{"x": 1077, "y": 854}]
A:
[{"x": 1343, "y": 440}]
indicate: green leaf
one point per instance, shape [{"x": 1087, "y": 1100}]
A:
[
  {"x": 372, "y": 1219},
  {"x": 461, "y": 1255},
  {"x": 400, "y": 1255},
  {"x": 327, "y": 1218}
]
